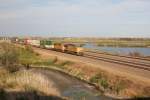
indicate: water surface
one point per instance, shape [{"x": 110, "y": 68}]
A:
[
  {"x": 119, "y": 50},
  {"x": 71, "y": 87}
]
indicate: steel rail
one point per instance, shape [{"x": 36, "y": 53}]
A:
[
  {"x": 131, "y": 64},
  {"x": 129, "y": 60},
  {"x": 97, "y": 52}
]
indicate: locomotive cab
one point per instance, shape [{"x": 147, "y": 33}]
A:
[{"x": 73, "y": 49}]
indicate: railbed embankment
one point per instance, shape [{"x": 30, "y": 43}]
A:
[{"x": 110, "y": 84}]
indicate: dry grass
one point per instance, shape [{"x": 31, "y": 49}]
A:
[
  {"x": 110, "y": 84},
  {"x": 27, "y": 81}
]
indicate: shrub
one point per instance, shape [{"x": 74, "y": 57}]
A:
[
  {"x": 27, "y": 57},
  {"x": 100, "y": 80},
  {"x": 96, "y": 78},
  {"x": 118, "y": 86},
  {"x": 13, "y": 68},
  {"x": 12, "y": 56},
  {"x": 29, "y": 48},
  {"x": 104, "y": 83},
  {"x": 8, "y": 54}
]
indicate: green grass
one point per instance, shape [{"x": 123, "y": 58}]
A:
[
  {"x": 44, "y": 62},
  {"x": 118, "y": 86},
  {"x": 123, "y": 43},
  {"x": 100, "y": 80}
]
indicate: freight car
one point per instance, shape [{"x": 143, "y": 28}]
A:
[
  {"x": 73, "y": 49},
  {"x": 46, "y": 44},
  {"x": 35, "y": 43}
]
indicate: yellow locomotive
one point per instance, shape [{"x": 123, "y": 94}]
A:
[
  {"x": 59, "y": 47},
  {"x": 73, "y": 49},
  {"x": 68, "y": 48}
]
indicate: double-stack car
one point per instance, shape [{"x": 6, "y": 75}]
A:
[{"x": 47, "y": 44}]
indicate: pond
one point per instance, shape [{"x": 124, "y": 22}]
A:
[{"x": 119, "y": 50}]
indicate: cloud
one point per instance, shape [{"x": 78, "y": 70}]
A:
[
  {"x": 83, "y": 8},
  {"x": 75, "y": 16}
]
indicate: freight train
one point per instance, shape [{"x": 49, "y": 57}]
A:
[{"x": 47, "y": 44}]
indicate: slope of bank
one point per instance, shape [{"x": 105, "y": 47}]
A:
[
  {"x": 43, "y": 83},
  {"x": 112, "y": 84}
]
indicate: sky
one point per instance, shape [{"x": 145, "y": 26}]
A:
[{"x": 75, "y": 18}]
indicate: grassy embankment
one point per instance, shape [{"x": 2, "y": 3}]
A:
[
  {"x": 108, "y": 83},
  {"x": 26, "y": 85},
  {"x": 19, "y": 84}
]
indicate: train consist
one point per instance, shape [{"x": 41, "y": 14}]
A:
[{"x": 48, "y": 44}]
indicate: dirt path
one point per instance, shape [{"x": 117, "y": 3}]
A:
[{"x": 138, "y": 75}]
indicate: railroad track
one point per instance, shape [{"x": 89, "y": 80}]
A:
[
  {"x": 132, "y": 62},
  {"x": 136, "y": 63},
  {"x": 122, "y": 60},
  {"x": 97, "y": 52}
]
